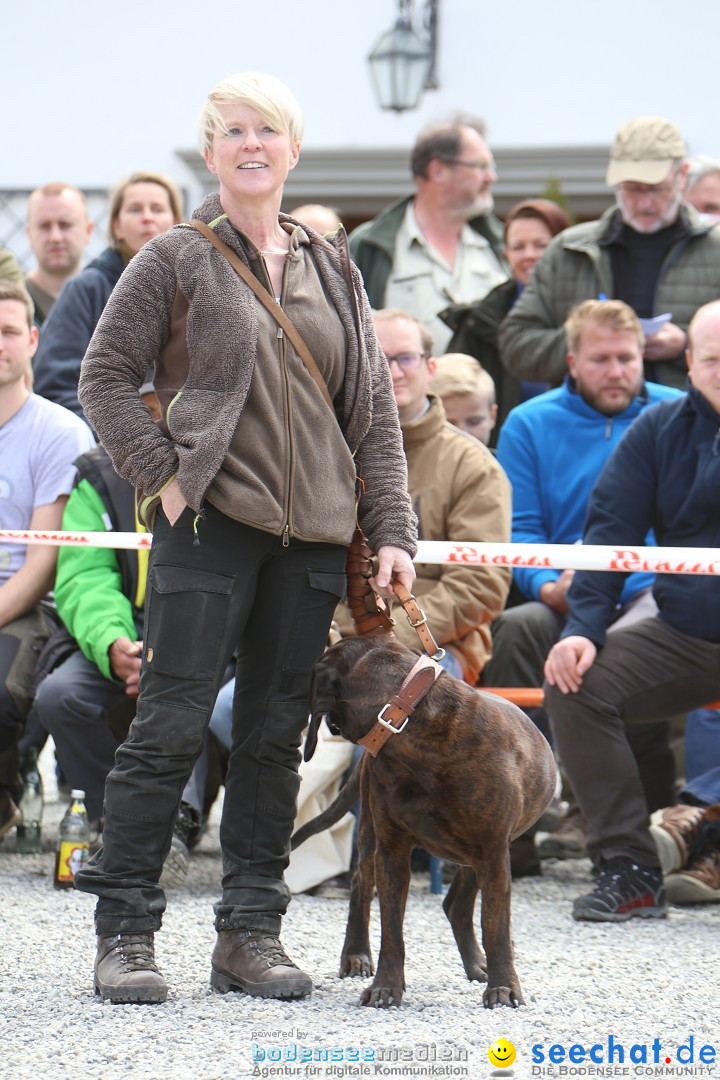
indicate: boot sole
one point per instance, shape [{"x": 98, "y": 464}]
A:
[
  {"x": 223, "y": 982},
  {"x": 637, "y": 913},
  {"x": 136, "y": 995},
  {"x": 682, "y": 889},
  {"x": 175, "y": 869}
]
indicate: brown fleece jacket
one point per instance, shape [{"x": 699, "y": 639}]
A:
[{"x": 211, "y": 359}]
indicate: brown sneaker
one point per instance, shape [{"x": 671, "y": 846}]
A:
[
  {"x": 254, "y": 961},
  {"x": 125, "y": 969},
  {"x": 698, "y": 883},
  {"x": 567, "y": 841},
  {"x": 679, "y": 831}
]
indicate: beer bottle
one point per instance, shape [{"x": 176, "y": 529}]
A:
[
  {"x": 73, "y": 843},
  {"x": 29, "y": 831}
]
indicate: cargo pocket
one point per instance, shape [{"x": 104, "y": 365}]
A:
[
  {"x": 312, "y": 619},
  {"x": 187, "y": 617}
]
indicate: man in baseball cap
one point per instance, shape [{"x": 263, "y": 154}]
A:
[
  {"x": 651, "y": 250},
  {"x": 644, "y": 151}
]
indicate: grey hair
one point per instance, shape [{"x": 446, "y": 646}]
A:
[{"x": 701, "y": 166}]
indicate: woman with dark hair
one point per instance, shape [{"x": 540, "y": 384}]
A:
[
  {"x": 529, "y": 228},
  {"x": 140, "y": 207}
]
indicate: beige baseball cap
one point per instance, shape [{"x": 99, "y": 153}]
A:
[{"x": 644, "y": 151}]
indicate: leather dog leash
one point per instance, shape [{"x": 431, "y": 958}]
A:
[
  {"x": 371, "y": 617},
  {"x": 369, "y": 611}
]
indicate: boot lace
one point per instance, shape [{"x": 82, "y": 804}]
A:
[
  {"x": 268, "y": 948},
  {"x": 136, "y": 951}
]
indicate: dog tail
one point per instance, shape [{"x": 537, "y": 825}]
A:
[{"x": 346, "y": 797}]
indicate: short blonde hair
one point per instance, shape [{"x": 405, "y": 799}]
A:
[
  {"x": 390, "y": 314},
  {"x": 267, "y": 95},
  {"x": 612, "y": 314},
  {"x": 458, "y": 373}
]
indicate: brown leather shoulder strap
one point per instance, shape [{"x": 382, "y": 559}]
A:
[{"x": 269, "y": 302}]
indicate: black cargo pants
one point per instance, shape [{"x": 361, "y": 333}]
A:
[{"x": 238, "y": 589}]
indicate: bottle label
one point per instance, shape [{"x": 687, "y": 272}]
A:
[{"x": 72, "y": 856}]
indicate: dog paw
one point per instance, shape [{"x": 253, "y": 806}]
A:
[
  {"x": 356, "y": 965},
  {"x": 475, "y": 973},
  {"x": 380, "y": 997},
  {"x": 502, "y": 995}
]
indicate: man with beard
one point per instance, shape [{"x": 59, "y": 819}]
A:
[
  {"x": 443, "y": 244},
  {"x": 651, "y": 250},
  {"x": 553, "y": 448}
]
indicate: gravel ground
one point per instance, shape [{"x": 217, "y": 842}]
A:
[{"x": 582, "y": 982}]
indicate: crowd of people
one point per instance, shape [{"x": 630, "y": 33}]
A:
[{"x": 248, "y": 384}]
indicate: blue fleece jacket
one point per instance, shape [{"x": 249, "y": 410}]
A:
[
  {"x": 66, "y": 332},
  {"x": 664, "y": 475},
  {"x": 553, "y": 448}
]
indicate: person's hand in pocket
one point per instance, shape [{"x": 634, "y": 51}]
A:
[{"x": 173, "y": 502}]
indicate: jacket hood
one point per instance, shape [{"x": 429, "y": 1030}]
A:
[{"x": 110, "y": 263}]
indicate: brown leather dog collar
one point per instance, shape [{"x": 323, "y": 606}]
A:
[{"x": 394, "y": 716}]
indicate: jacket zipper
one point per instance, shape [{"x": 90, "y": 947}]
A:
[
  {"x": 167, "y": 411},
  {"x": 287, "y": 527}
]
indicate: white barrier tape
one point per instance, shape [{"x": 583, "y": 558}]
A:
[
  {"x": 654, "y": 560},
  {"x": 128, "y": 540}
]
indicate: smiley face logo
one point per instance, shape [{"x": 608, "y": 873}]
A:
[{"x": 501, "y": 1053}]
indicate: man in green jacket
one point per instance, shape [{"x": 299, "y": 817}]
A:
[
  {"x": 88, "y": 702},
  {"x": 443, "y": 244},
  {"x": 651, "y": 250}
]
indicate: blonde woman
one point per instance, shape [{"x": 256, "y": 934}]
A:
[{"x": 249, "y": 485}]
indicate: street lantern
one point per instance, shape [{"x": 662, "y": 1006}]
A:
[{"x": 402, "y": 63}]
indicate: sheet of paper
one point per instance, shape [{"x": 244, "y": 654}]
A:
[{"x": 654, "y": 325}]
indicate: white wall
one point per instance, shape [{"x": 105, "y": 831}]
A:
[{"x": 94, "y": 90}]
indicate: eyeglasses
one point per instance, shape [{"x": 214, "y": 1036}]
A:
[
  {"x": 407, "y": 361},
  {"x": 481, "y": 166},
  {"x": 649, "y": 191}
]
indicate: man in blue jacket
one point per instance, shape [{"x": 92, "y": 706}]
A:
[{"x": 664, "y": 475}]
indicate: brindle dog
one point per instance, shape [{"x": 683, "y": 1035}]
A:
[{"x": 469, "y": 773}]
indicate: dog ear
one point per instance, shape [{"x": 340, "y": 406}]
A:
[{"x": 312, "y": 735}]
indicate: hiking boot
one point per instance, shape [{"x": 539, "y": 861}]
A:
[
  {"x": 125, "y": 969},
  {"x": 680, "y": 832},
  {"x": 9, "y": 813},
  {"x": 185, "y": 832},
  {"x": 699, "y": 883},
  {"x": 623, "y": 890},
  {"x": 568, "y": 839},
  {"x": 253, "y": 960}
]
